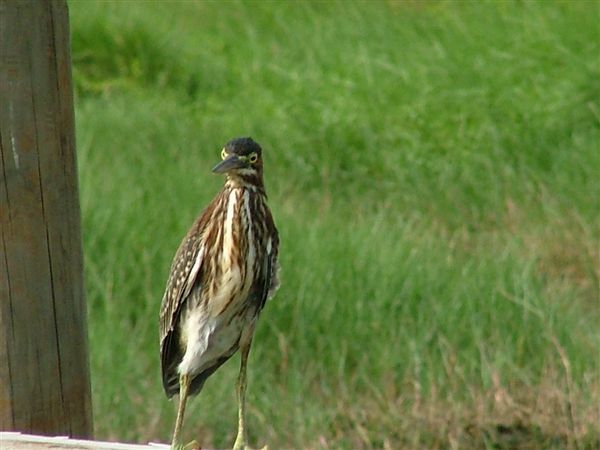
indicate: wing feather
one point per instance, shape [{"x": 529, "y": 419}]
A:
[
  {"x": 186, "y": 275},
  {"x": 271, "y": 266}
]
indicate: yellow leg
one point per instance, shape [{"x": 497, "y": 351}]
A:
[
  {"x": 184, "y": 384},
  {"x": 241, "y": 441}
]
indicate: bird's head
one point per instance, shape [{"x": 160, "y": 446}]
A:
[{"x": 241, "y": 160}]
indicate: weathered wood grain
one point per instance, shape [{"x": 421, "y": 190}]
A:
[{"x": 44, "y": 367}]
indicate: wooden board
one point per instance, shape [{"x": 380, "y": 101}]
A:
[{"x": 18, "y": 441}]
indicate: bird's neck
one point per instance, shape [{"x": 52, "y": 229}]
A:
[{"x": 252, "y": 182}]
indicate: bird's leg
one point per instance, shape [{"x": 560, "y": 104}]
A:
[
  {"x": 241, "y": 442},
  {"x": 184, "y": 383}
]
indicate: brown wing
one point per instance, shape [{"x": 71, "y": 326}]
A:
[
  {"x": 186, "y": 274},
  {"x": 184, "y": 271},
  {"x": 272, "y": 272},
  {"x": 268, "y": 282}
]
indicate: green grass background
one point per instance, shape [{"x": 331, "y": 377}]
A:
[{"x": 433, "y": 171}]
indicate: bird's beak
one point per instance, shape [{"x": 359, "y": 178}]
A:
[{"x": 232, "y": 162}]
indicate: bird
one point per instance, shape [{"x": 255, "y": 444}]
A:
[{"x": 223, "y": 272}]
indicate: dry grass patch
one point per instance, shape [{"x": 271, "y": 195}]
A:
[{"x": 505, "y": 416}]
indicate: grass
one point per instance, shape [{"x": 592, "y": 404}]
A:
[{"x": 432, "y": 168}]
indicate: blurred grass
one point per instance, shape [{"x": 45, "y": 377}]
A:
[{"x": 432, "y": 168}]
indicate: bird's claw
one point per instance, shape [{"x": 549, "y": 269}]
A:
[
  {"x": 238, "y": 446},
  {"x": 245, "y": 447},
  {"x": 193, "y": 445}
]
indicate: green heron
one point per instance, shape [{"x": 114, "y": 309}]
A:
[{"x": 223, "y": 273}]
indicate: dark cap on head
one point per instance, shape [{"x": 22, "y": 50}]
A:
[{"x": 243, "y": 146}]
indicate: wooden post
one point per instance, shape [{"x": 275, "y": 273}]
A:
[{"x": 44, "y": 366}]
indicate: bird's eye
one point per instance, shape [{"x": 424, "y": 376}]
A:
[
  {"x": 253, "y": 158},
  {"x": 223, "y": 154}
]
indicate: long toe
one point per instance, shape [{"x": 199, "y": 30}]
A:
[
  {"x": 245, "y": 447},
  {"x": 240, "y": 446},
  {"x": 193, "y": 445}
]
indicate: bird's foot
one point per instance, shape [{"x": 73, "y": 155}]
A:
[
  {"x": 245, "y": 447},
  {"x": 193, "y": 445},
  {"x": 240, "y": 445}
]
